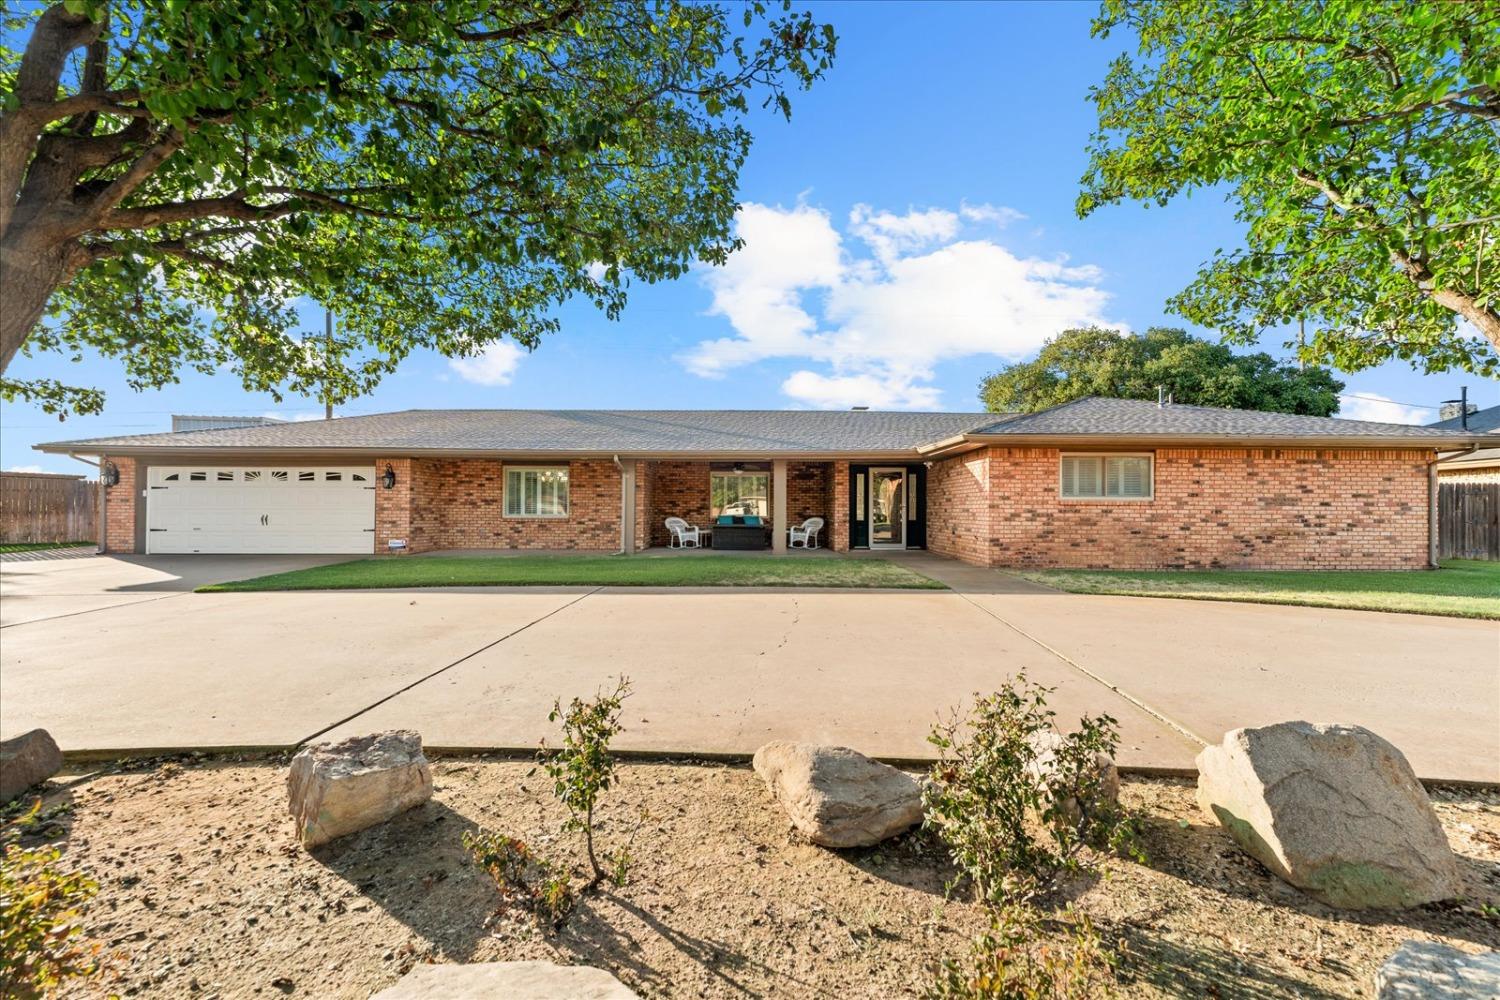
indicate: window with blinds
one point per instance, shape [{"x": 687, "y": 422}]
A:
[
  {"x": 1099, "y": 477},
  {"x": 536, "y": 492}
]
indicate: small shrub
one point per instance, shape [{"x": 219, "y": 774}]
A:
[
  {"x": 41, "y": 938},
  {"x": 988, "y": 793},
  {"x": 583, "y": 768},
  {"x": 1025, "y": 957},
  {"x": 522, "y": 875}
]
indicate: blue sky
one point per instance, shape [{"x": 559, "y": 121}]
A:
[{"x": 910, "y": 229}]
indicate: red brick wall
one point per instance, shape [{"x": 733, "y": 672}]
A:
[
  {"x": 958, "y": 508},
  {"x": 1262, "y": 508},
  {"x": 680, "y": 490},
  {"x": 838, "y": 521},
  {"x": 459, "y": 504},
  {"x": 119, "y": 507},
  {"x": 809, "y": 493}
]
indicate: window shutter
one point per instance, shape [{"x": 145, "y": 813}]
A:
[
  {"x": 513, "y": 494},
  {"x": 1129, "y": 477},
  {"x": 1069, "y": 476},
  {"x": 1087, "y": 472}
]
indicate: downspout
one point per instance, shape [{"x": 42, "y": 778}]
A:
[
  {"x": 1432, "y": 502},
  {"x": 103, "y": 500},
  {"x": 627, "y": 497}
]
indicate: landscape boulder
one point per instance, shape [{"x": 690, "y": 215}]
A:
[
  {"x": 1334, "y": 810},
  {"x": 27, "y": 760},
  {"x": 1431, "y": 970},
  {"x": 1044, "y": 767},
  {"x": 507, "y": 980},
  {"x": 838, "y": 797},
  {"x": 340, "y": 788}
]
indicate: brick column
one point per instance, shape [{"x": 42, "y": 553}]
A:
[
  {"x": 838, "y": 518},
  {"x": 393, "y": 506},
  {"x": 778, "y": 505},
  {"x": 119, "y": 507}
]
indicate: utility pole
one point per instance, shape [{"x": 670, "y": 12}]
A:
[
  {"x": 327, "y": 360},
  {"x": 1301, "y": 342}
]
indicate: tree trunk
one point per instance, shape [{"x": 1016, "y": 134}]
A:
[
  {"x": 1487, "y": 320},
  {"x": 29, "y": 276}
]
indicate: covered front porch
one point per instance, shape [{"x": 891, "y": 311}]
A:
[{"x": 860, "y": 504}]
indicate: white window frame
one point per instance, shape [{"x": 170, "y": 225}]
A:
[
  {"x": 505, "y": 493},
  {"x": 1103, "y": 456},
  {"x": 742, "y": 474}
]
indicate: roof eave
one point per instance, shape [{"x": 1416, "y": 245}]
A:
[
  {"x": 223, "y": 452},
  {"x": 1233, "y": 440}
]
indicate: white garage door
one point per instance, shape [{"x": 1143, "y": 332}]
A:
[{"x": 231, "y": 509}]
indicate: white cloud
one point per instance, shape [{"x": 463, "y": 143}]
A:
[
  {"x": 999, "y": 215},
  {"x": 495, "y": 365},
  {"x": 1373, "y": 406},
  {"x": 926, "y": 292},
  {"x": 891, "y": 235},
  {"x": 295, "y": 416},
  {"x": 25, "y": 468},
  {"x": 839, "y": 392}
]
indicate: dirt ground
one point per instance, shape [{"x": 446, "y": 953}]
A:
[{"x": 204, "y": 893}]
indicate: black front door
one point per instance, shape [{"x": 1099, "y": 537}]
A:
[{"x": 888, "y": 506}]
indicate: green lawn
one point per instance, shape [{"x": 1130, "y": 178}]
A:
[
  {"x": 6, "y": 547},
  {"x": 1462, "y": 588},
  {"x": 614, "y": 571}
]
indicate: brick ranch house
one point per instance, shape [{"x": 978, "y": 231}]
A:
[{"x": 1093, "y": 483}]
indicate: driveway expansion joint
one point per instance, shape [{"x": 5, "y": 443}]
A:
[
  {"x": 1156, "y": 714},
  {"x": 443, "y": 669}
]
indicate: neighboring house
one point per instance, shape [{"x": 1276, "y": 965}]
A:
[
  {"x": 189, "y": 422},
  {"x": 1091, "y": 483},
  {"x": 1479, "y": 466}
]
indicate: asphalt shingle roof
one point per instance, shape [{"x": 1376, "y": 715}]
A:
[
  {"x": 1099, "y": 416},
  {"x": 762, "y": 433},
  {"x": 1480, "y": 421},
  {"x": 758, "y": 432}
]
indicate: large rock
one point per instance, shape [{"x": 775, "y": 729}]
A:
[
  {"x": 1045, "y": 765},
  {"x": 839, "y": 797},
  {"x": 507, "y": 981},
  {"x": 339, "y": 788},
  {"x": 1334, "y": 810},
  {"x": 1431, "y": 970},
  {"x": 26, "y": 760}
]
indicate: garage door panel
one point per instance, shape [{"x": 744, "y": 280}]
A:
[{"x": 265, "y": 509}]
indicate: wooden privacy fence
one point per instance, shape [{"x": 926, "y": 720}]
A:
[
  {"x": 41, "y": 507},
  {"x": 1469, "y": 521}
]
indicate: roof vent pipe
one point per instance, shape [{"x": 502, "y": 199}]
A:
[{"x": 1163, "y": 397}]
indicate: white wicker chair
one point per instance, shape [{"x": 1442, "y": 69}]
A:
[
  {"x": 805, "y": 534},
  {"x": 684, "y": 535}
]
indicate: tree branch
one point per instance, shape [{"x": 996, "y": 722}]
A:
[
  {"x": 55, "y": 34},
  {"x": 516, "y": 32},
  {"x": 123, "y": 186}
]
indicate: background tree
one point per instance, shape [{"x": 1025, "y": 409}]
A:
[
  {"x": 1098, "y": 362},
  {"x": 1360, "y": 141},
  {"x": 173, "y": 173}
]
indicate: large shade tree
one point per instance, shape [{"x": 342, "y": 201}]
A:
[
  {"x": 1360, "y": 142},
  {"x": 175, "y": 173},
  {"x": 1093, "y": 361}
]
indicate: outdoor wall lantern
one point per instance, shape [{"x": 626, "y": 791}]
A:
[
  {"x": 389, "y": 479},
  {"x": 109, "y": 474}
]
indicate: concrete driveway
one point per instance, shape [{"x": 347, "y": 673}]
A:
[{"x": 116, "y": 654}]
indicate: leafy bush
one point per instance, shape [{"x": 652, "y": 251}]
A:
[
  {"x": 1004, "y": 771},
  {"x": 521, "y": 874},
  {"x": 41, "y": 937},
  {"x": 583, "y": 768},
  {"x": 1024, "y": 957}
]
